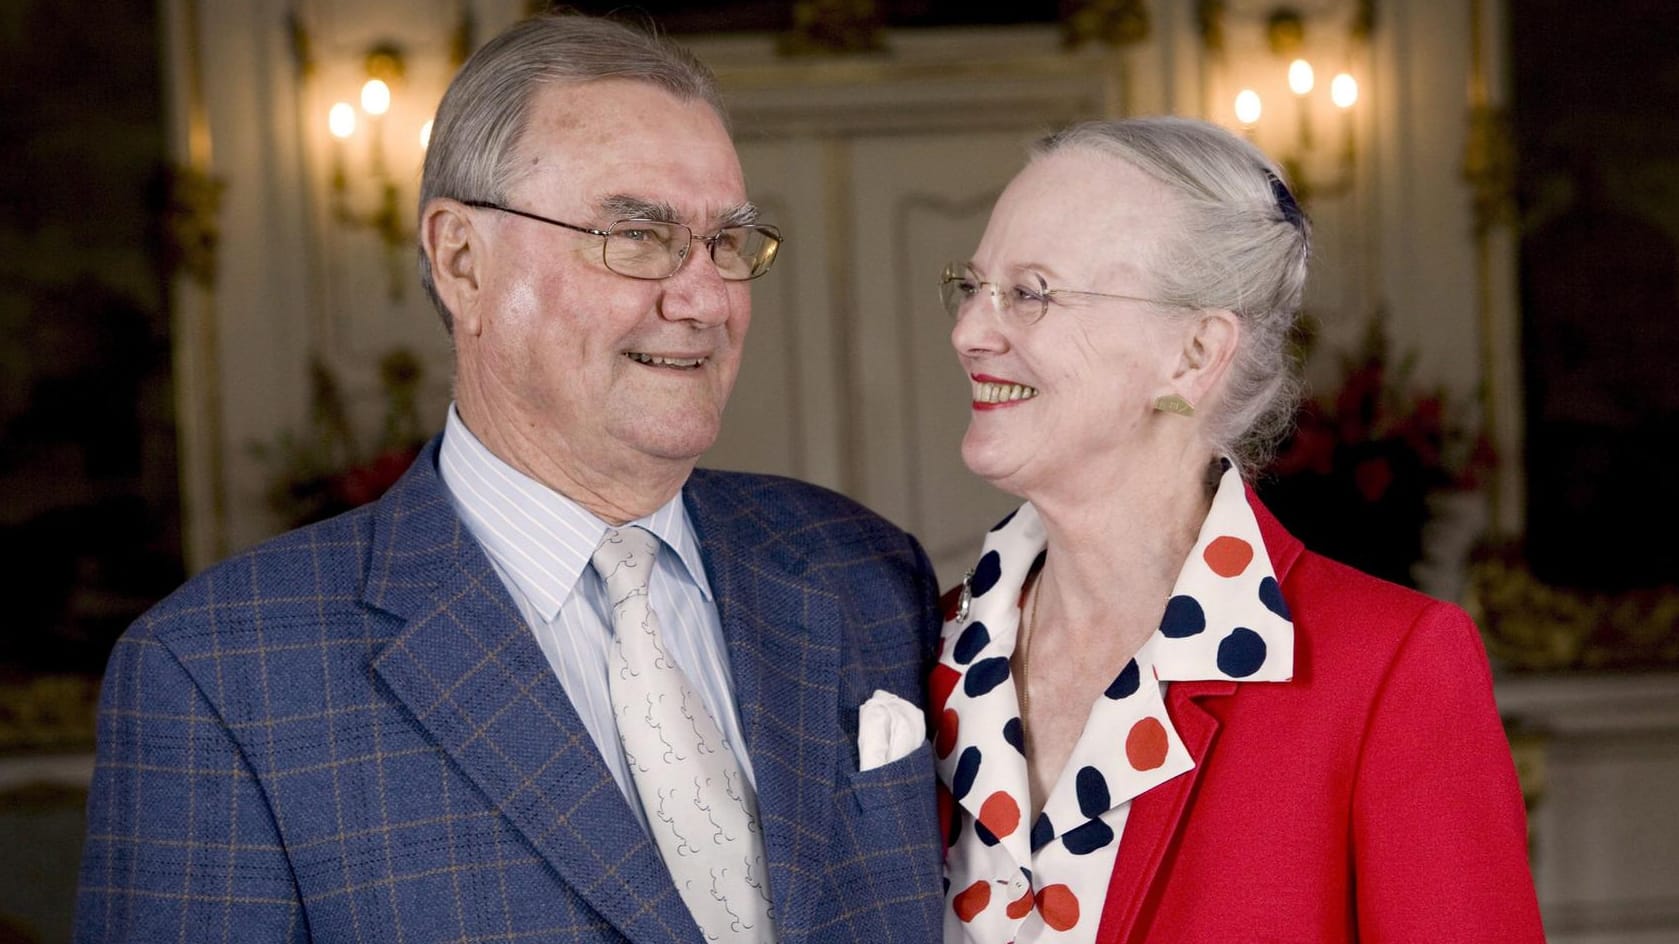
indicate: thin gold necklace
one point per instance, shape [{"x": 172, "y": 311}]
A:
[{"x": 1025, "y": 637}]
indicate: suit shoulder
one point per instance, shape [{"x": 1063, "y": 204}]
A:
[
  {"x": 290, "y": 579},
  {"x": 789, "y": 502}
]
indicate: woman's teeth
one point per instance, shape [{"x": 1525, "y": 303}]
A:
[{"x": 986, "y": 392}]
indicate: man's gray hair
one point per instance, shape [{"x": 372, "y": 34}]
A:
[
  {"x": 481, "y": 121},
  {"x": 1241, "y": 243}
]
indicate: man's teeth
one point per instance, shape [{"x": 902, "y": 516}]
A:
[
  {"x": 1002, "y": 393},
  {"x": 664, "y": 361}
]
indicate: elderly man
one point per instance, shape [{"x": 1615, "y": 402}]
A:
[{"x": 556, "y": 685}]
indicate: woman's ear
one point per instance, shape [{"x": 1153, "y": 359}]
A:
[
  {"x": 451, "y": 244},
  {"x": 1208, "y": 350}
]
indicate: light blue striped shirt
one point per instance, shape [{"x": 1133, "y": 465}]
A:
[{"x": 540, "y": 542}]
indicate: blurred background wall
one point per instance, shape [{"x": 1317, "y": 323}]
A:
[{"x": 210, "y": 327}]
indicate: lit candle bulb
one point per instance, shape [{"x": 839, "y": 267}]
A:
[
  {"x": 1247, "y": 108},
  {"x": 1300, "y": 77},
  {"x": 1343, "y": 91},
  {"x": 376, "y": 101},
  {"x": 341, "y": 120},
  {"x": 375, "y": 97},
  {"x": 425, "y": 136}
]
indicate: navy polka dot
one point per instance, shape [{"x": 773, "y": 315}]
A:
[
  {"x": 1184, "y": 617},
  {"x": 1272, "y": 596},
  {"x": 1042, "y": 832},
  {"x": 985, "y": 835},
  {"x": 967, "y": 768},
  {"x": 1006, "y": 519},
  {"x": 973, "y": 639},
  {"x": 985, "y": 675},
  {"x": 1093, "y": 792},
  {"x": 1241, "y": 653},
  {"x": 1086, "y": 839},
  {"x": 1125, "y": 683},
  {"x": 1015, "y": 734},
  {"x": 947, "y": 885},
  {"x": 956, "y": 819},
  {"x": 986, "y": 572}
]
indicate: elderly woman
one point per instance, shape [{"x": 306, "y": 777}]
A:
[{"x": 1158, "y": 717}]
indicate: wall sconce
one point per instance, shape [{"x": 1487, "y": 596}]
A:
[
  {"x": 363, "y": 191},
  {"x": 1282, "y": 104}
]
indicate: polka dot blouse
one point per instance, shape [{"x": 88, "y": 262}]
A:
[{"x": 1045, "y": 881}]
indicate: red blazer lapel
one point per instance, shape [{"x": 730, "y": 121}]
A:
[{"x": 1152, "y": 827}]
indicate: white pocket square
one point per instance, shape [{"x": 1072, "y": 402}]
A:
[{"x": 888, "y": 728}]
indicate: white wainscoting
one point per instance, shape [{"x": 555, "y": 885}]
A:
[{"x": 1605, "y": 817}]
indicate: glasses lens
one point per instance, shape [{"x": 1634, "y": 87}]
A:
[
  {"x": 744, "y": 252},
  {"x": 956, "y": 287},
  {"x": 646, "y": 249}
]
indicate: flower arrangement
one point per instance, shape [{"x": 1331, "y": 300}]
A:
[
  {"x": 1355, "y": 478},
  {"x": 327, "y": 473}
]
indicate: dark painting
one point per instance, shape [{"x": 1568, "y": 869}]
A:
[{"x": 1596, "y": 92}]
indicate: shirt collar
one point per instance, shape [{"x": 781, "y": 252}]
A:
[
  {"x": 541, "y": 539},
  {"x": 1226, "y": 618}
]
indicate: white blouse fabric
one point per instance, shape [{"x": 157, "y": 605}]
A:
[{"x": 1046, "y": 881}]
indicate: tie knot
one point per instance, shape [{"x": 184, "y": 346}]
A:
[{"x": 624, "y": 559}]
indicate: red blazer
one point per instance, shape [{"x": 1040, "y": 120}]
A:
[{"x": 1371, "y": 799}]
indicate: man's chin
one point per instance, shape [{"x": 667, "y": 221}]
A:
[{"x": 673, "y": 439}]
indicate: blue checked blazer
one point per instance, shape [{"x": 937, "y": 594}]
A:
[{"x": 349, "y": 734}]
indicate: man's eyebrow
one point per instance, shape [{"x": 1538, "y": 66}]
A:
[
  {"x": 741, "y": 214},
  {"x": 621, "y": 206}
]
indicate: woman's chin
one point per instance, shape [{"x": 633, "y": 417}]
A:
[{"x": 993, "y": 462}]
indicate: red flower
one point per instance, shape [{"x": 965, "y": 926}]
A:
[{"x": 364, "y": 483}]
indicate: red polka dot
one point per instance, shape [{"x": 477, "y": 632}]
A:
[
  {"x": 1145, "y": 746},
  {"x": 1022, "y": 906},
  {"x": 942, "y": 683},
  {"x": 946, "y": 740},
  {"x": 1000, "y": 814},
  {"x": 1228, "y": 556},
  {"x": 970, "y": 901},
  {"x": 1059, "y": 906}
]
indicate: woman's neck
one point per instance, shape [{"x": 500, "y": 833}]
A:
[{"x": 1114, "y": 553}]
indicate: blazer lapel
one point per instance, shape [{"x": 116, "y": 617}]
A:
[
  {"x": 1157, "y": 815},
  {"x": 783, "y": 632},
  {"x": 471, "y": 674}
]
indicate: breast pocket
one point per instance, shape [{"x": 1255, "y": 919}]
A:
[{"x": 908, "y": 778}]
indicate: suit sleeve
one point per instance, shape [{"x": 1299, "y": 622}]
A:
[
  {"x": 1439, "y": 832},
  {"x": 180, "y": 845},
  {"x": 932, "y": 619}
]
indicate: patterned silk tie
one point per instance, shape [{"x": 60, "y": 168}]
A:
[{"x": 702, "y": 812}]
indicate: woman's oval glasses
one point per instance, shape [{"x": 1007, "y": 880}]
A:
[{"x": 1026, "y": 301}]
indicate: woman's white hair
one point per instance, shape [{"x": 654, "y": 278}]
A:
[{"x": 1241, "y": 244}]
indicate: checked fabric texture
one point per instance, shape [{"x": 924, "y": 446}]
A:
[{"x": 702, "y": 812}]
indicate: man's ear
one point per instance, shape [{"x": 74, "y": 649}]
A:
[
  {"x": 1208, "y": 350},
  {"x": 453, "y": 246}
]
